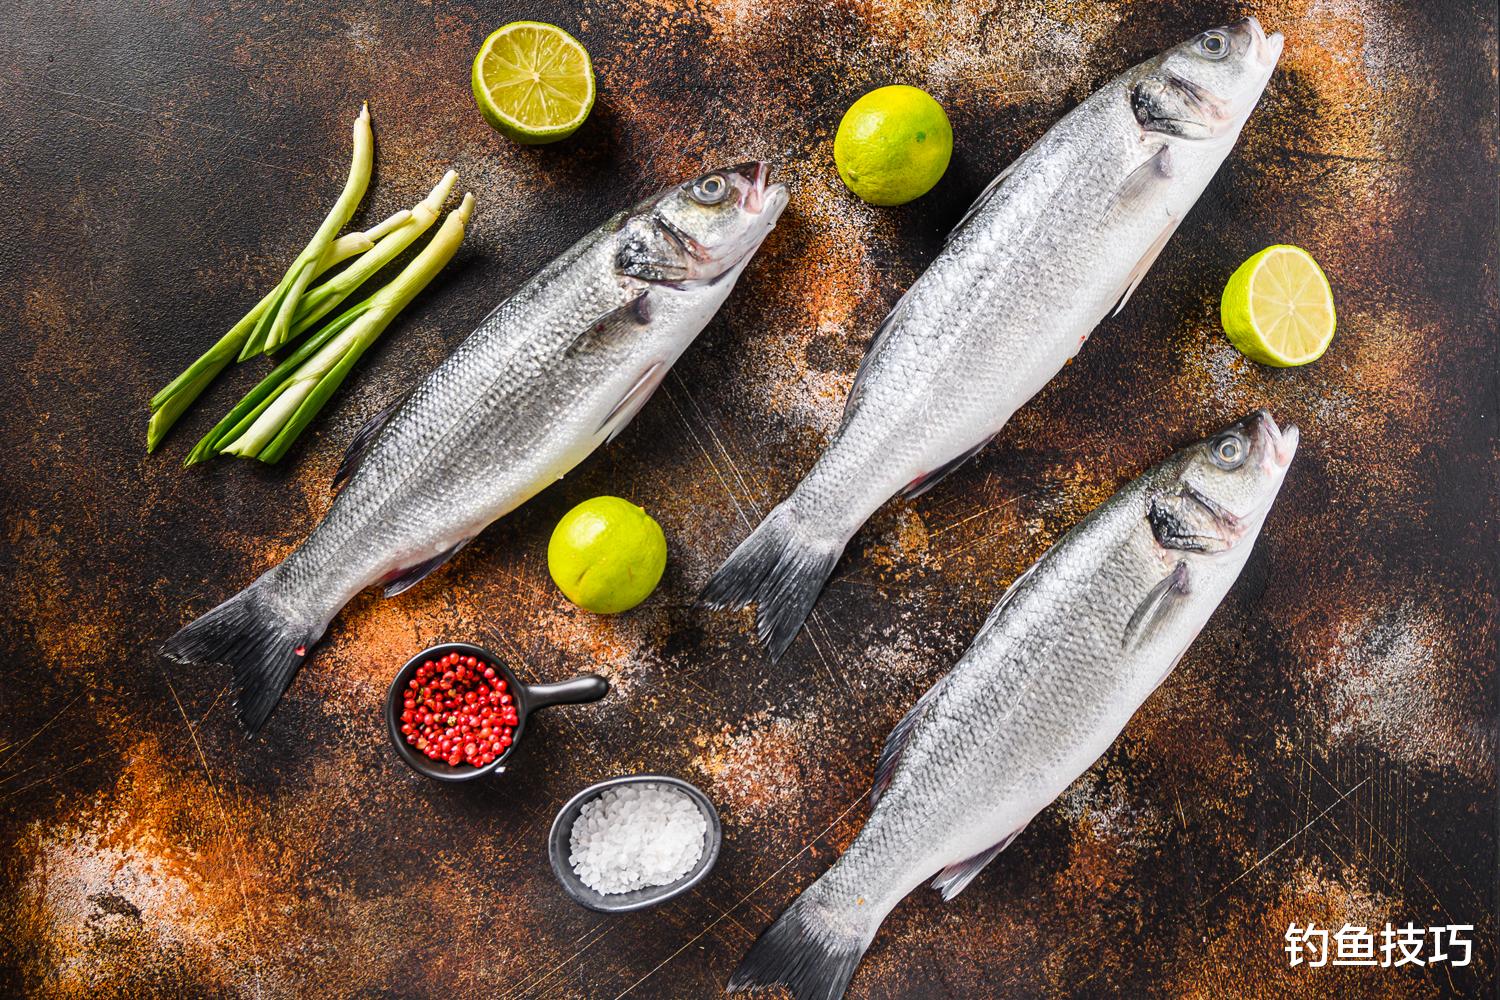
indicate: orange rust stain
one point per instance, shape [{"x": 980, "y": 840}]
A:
[
  {"x": 769, "y": 764},
  {"x": 1245, "y": 958}
]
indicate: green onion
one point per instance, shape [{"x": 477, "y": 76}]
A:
[
  {"x": 273, "y": 326},
  {"x": 321, "y": 300},
  {"x": 173, "y": 400},
  {"x": 272, "y": 415}
]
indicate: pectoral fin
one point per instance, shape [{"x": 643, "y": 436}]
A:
[
  {"x": 618, "y": 322},
  {"x": 1156, "y": 607},
  {"x": 1142, "y": 184}
]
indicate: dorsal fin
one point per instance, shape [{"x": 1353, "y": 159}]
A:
[
  {"x": 981, "y": 201},
  {"x": 955, "y": 878},
  {"x": 895, "y": 743},
  {"x": 1005, "y": 599},
  {"x": 891, "y": 318},
  {"x": 882, "y": 332},
  {"x": 360, "y": 443}
]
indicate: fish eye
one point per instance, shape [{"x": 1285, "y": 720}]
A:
[
  {"x": 710, "y": 189},
  {"x": 1229, "y": 452},
  {"x": 1214, "y": 44}
]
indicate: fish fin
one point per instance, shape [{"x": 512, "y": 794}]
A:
[
  {"x": 630, "y": 404},
  {"x": 1156, "y": 606},
  {"x": 981, "y": 201},
  {"x": 928, "y": 480},
  {"x": 895, "y": 743},
  {"x": 882, "y": 333},
  {"x": 956, "y": 877},
  {"x": 257, "y": 640},
  {"x": 1006, "y": 598},
  {"x": 355, "y": 453},
  {"x": 1141, "y": 184},
  {"x": 1138, "y": 273},
  {"x": 604, "y": 329},
  {"x": 812, "y": 949},
  {"x": 412, "y": 575},
  {"x": 782, "y": 570}
]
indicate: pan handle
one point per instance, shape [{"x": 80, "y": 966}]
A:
[{"x": 589, "y": 687}]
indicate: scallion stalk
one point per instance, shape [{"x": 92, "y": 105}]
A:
[
  {"x": 273, "y": 326},
  {"x": 323, "y": 299},
  {"x": 174, "y": 399},
  {"x": 270, "y": 418}
]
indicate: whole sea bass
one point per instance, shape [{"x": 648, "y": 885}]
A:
[
  {"x": 1074, "y": 647},
  {"x": 553, "y": 372},
  {"x": 1062, "y": 235}
]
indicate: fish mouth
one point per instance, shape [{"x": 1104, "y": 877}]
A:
[
  {"x": 1266, "y": 48},
  {"x": 1280, "y": 444},
  {"x": 760, "y": 192}
]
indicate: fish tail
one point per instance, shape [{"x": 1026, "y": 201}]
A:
[
  {"x": 253, "y": 634},
  {"x": 781, "y": 568},
  {"x": 812, "y": 948}
]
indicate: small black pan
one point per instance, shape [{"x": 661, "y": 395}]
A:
[{"x": 528, "y": 698}]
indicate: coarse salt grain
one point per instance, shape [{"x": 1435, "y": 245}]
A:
[{"x": 634, "y": 836}]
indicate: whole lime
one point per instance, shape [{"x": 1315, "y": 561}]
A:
[
  {"x": 607, "y": 555},
  {"x": 893, "y": 145}
]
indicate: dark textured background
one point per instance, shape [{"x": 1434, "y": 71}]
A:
[{"x": 1326, "y": 751}]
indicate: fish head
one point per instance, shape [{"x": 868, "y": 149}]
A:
[
  {"x": 1215, "y": 494},
  {"x": 1206, "y": 87},
  {"x": 703, "y": 229}
]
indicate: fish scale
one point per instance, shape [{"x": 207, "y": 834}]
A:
[
  {"x": 1075, "y": 645},
  {"x": 1057, "y": 240},
  {"x": 549, "y": 375}
]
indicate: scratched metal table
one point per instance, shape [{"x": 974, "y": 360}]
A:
[{"x": 1325, "y": 753}]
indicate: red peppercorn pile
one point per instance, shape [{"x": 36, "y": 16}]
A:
[{"x": 459, "y": 711}]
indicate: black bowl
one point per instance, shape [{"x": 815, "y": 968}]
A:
[
  {"x": 527, "y": 698},
  {"x": 559, "y": 846}
]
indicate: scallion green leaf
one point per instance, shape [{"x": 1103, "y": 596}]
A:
[{"x": 270, "y": 418}]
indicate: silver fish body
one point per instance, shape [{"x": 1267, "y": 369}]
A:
[
  {"x": 1057, "y": 239},
  {"x": 553, "y": 372},
  {"x": 1073, "y": 648}
]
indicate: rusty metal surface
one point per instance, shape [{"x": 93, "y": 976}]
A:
[{"x": 1326, "y": 751}]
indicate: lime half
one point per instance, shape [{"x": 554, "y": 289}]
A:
[
  {"x": 534, "y": 82},
  {"x": 1278, "y": 308}
]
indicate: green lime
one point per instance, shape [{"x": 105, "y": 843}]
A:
[
  {"x": 607, "y": 555},
  {"x": 534, "y": 82},
  {"x": 1278, "y": 308},
  {"x": 893, "y": 145}
]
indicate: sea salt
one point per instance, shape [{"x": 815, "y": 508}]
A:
[{"x": 636, "y": 835}]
